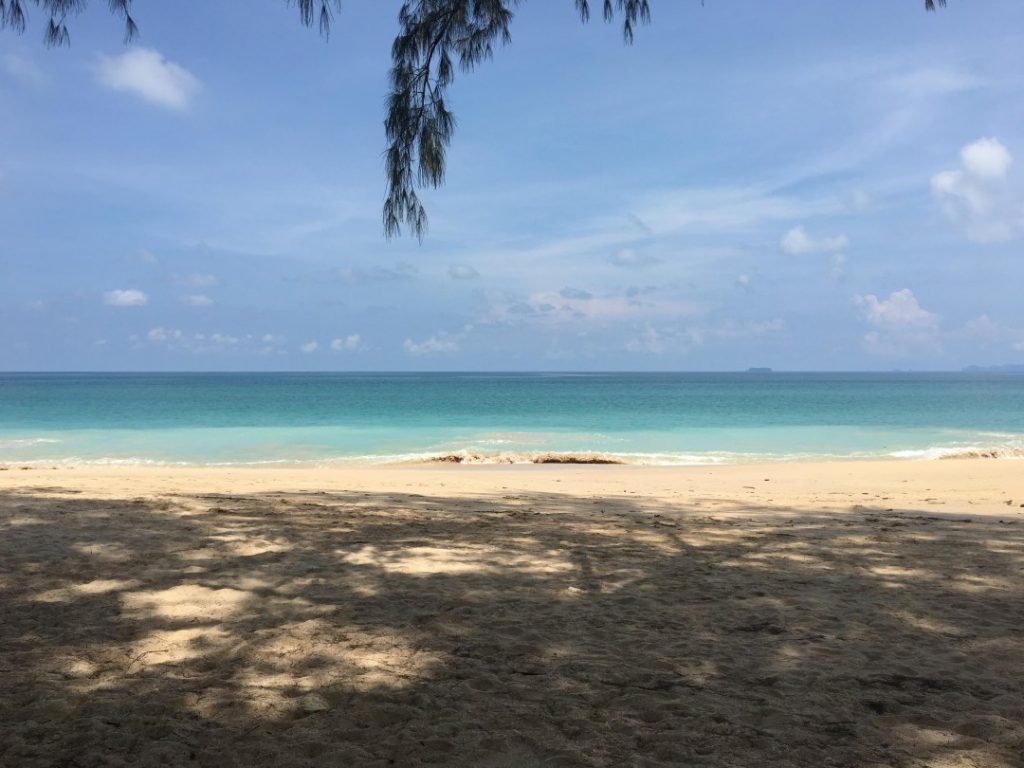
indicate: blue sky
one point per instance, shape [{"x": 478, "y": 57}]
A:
[{"x": 804, "y": 186}]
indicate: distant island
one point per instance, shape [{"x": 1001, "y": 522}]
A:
[
  {"x": 1008, "y": 368},
  {"x": 759, "y": 370}
]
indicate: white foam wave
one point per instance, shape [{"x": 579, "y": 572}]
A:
[
  {"x": 962, "y": 452},
  {"x": 20, "y": 442}
]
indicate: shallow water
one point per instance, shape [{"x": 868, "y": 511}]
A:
[{"x": 686, "y": 418}]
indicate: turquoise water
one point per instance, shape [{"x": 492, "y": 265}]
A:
[{"x": 692, "y": 418}]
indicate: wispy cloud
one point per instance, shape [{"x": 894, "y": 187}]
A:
[{"x": 23, "y": 70}]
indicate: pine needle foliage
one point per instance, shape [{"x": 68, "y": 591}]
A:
[{"x": 435, "y": 38}]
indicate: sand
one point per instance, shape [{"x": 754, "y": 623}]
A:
[{"x": 845, "y": 614}]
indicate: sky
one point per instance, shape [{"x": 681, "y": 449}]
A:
[{"x": 798, "y": 185}]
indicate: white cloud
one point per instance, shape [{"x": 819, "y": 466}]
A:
[
  {"x": 196, "y": 342},
  {"x": 310, "y": 346},
  {"x": 900, "y": 310},
  {"x": 197, "y": 300},
  {"x": 146, "y": 73},
  {"x": 743, "y": 281},
  {"x": 350, "y": 343},
  {"x": 271, "y": 343},
  {"x": 986, "y": 158},
  {"x": 126, "y": 297},
  {"x": 901, "y": 324},
  {"x": 462, "y": 272},
  {"x": 798, "y": 240},
  {"x": 437, "y": 344},
  {"x": 978, "y": 196},
  {"x": 164, "y": 335}
]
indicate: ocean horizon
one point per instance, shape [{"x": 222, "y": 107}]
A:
[{"x": 656, "y": 418}]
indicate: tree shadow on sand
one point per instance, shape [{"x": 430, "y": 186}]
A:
[{"x": 535, "y": 629}]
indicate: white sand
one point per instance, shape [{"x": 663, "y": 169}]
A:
[{"x": 846, "y": 614}]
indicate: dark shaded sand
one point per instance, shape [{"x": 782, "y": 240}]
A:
[{"x": 512, "y": 627}]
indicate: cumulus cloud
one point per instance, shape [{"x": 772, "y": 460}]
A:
[
  {"x": 310, "y": 346},
  {"x": 631, "y": 259},
  {"x": 147, "y": 74},
  {"x": 349, "y": 343},
  {"x": 125, "y": 297},
  {"x": 900, "y": 310},
  {"x": 900, "y": 324},
  {"x": 197, "y": 300},
  {"x": 986, "y": 159},
  {"x": 462, "y": 272},
  {"x": 799, "y": 240},
  {"x": 978, "y": 196}
]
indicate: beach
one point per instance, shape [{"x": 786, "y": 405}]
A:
[{"x": 861, "y": 613}]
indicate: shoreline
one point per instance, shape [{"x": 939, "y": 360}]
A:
[
  {"x": 925, "y": 484},
  {"x": 1013, "y": 451}
]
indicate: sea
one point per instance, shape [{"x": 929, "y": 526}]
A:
[{"x": 252, "y": 419}]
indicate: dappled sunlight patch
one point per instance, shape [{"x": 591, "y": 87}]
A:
[
  {"x": 187, "y": 602},
  {"x": 175, "y": 646},
  {"x": 898, "y": 571},
  {"x": 927, "y": 623},
  {"x": 20, "y": 521},
  {"x": 454, "y": 559},
  {"x": 977, "y": 584},
  {"x": 108, "y": 551},
  {"x": 245, "y": 545},
  {"x": 75, "y": 591},
  {"x": 282, "y": 664}
]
